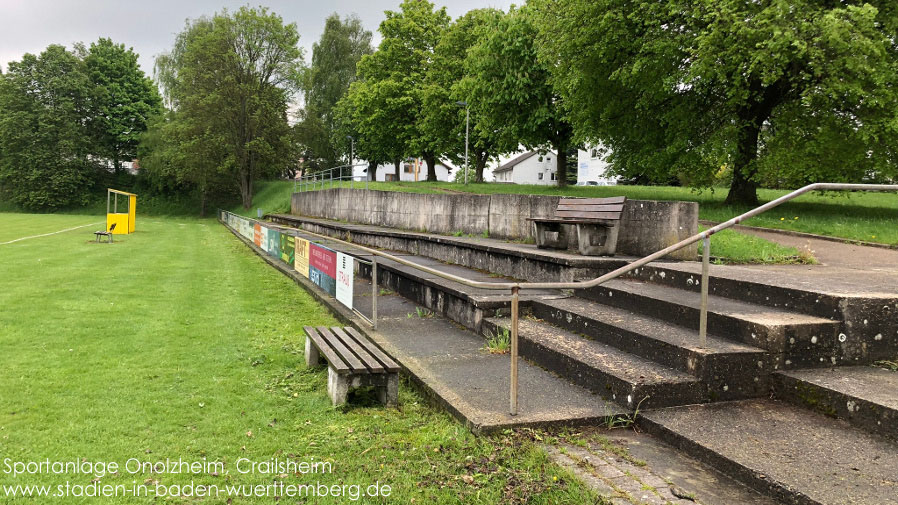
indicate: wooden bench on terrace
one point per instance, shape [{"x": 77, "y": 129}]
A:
[
  {"x": 596, "y": 219},
  {"x": 352, "y": 361}
]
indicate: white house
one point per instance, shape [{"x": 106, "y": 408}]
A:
[
  {"x": 530, "y": 167},
  {"x": 592, "y": 169},
  {"x": 409, "y": 170}
]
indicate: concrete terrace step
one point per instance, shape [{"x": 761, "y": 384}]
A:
[
  {"x": 797, "y": 339},
  {"x": 793, "y": 454},
  {"x": 617, "y": 375},
  {"x": 866, "y": 396},
  {"x": 730, "y": 370}
]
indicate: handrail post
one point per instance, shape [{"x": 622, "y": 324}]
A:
[
  {"x": 374, "y": 291},
  {"x": 514, "y": 351},
  {"x": 703, "y": 315}
]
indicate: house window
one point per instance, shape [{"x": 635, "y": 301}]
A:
[
  {"x": 539, "y": 176},
  {"x": 594, "y": 154},
  {"x": 553, "y": 176},
  {"x": 409, "y": 168}
]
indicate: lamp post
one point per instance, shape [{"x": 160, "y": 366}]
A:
[
  {"x": 351, "y": 147},
  {"x": 467, "y": 125}
]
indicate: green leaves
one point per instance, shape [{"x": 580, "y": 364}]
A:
[
  {"x": 229, "y": 79},
  {"x": 782, "y": 93},
  {"x": 47, "y": 156}
]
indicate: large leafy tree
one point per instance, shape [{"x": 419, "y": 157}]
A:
[
  {"x": 511, "y": 92},
  {"x": 333, "y": 69},
  {"x": 448, "y": 83},
  {"x": 793, "y": 91},
  {"x": 125, "y": 99},
  {"x": 386, "y": 104},
  {"x": 231, "y": 77},
  {"x": 46, "y": 152}
]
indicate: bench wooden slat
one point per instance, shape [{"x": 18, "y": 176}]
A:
[
  {"x": 618, "y": 207},
  {"x": 612, "y": 216},
  {"x": 592, "y": 201},
  {"x": 606, "y": 223},
  {"x": 325, "y": 349},
  {"x": 373, "y": 365},
  {"x": 375, "y": 351},
  {"x": 354, "y": 363}
]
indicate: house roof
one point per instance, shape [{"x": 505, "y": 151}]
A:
[{"x": 514, "y": 161}]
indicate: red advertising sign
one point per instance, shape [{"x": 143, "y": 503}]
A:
[{"x": 324, "y": 260}]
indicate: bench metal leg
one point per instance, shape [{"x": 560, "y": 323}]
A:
[
  {"x": 597, "y": 240},
  {"x": 337, "y": 386},
  {"x": 545, "y": 232},
  {"x": 389, "y": 394},
  {"x": 313, "y": 357}
]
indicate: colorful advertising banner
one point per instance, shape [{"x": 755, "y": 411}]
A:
[
  {"x": 288, "y": 250},
  {"x": 301, "y": 262},
  {"x": 257, "y": 234},
  {"x": 344, "y": 279},
  {"x": 274, "y": 243},
  {"x": 323, "y": 268}
]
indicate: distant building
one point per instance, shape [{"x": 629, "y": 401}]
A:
[
  {"x": 530, "y": 167},
  {"x": 592, "y": 169},
  {"x": 409, "y": 170}
]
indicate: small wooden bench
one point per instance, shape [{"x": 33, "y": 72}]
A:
[
  {"x": 352, "y": 361},
  {"x": 596, "y": 219},
  {"x": 107, "y": 234}
]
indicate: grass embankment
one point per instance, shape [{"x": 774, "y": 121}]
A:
[
  {"x": 859, "y": 216},
  {"x": 178, "y": 342},
  {"x": 727, "y": 247}
]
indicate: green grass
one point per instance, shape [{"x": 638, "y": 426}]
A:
[
  {"x": 16, "y": 226},
  {"x": 853, "y": 216},
  {"x": 178, "y": 342},
  {"x": 732, "y": 247}
]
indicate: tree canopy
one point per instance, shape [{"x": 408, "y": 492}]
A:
[
  {"x": 229, "y": 78},
  {"x": 385, "y": 106},
  {"x": 512, "y": 94},
  {"x": 326, "y": 81},
  {"x": 125, "y": 100},
  {"x": 46, "y": 153},
  {"x": 782, "y": 92}
]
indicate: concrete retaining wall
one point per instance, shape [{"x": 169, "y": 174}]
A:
[{"x": 646, "y": 226}]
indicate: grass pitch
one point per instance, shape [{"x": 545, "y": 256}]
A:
[{"x": 177, "y": 343}]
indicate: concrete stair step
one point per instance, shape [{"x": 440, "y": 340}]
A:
[
  {"x": 800, "y": 339},
  {"x": 730, "y": 370},
  {"x": 790, "y": 453},
  {"x": 629, "y": 380},
  {"x": 865, "y": 396}
]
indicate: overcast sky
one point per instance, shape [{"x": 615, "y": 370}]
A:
[{"x": 149, "y": 26}]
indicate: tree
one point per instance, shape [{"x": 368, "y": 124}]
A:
[
  {"x": 386, "y": 104},
  {"x": 125, "y": 99},
  {"x": 803, "y": 89},
  {"x": 234, "y": 74},
  {"x": 447, "y": 83},
  {"x": 512, "y": 94},
  {"x": 333, "y": 69},
  {"x": 46, "y": 152}
]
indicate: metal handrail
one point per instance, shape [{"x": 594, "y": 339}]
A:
[{"x": 704, "y": 236}]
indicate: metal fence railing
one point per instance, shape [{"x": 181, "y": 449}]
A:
[
  {"x": 705, "y": 236},
  {"x": 330, "y": 176}
]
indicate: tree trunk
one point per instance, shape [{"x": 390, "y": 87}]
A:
[
  {"x": 202, "y": 203},
  {"x": 480, "y": 158},
  {"x": 743, "y": 190},
  {"x": 372, "y": 171},
  {"x": 561, "y": 165},
  {"x": 396, "y": 165},
  {"x": 246, "y": 190},
  {"x": 431, "y": 161}
]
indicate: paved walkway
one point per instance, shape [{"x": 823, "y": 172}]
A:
[{"x": 835, "y": 254}]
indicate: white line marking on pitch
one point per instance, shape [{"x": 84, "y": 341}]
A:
[{"x": 51, "y": 233}]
